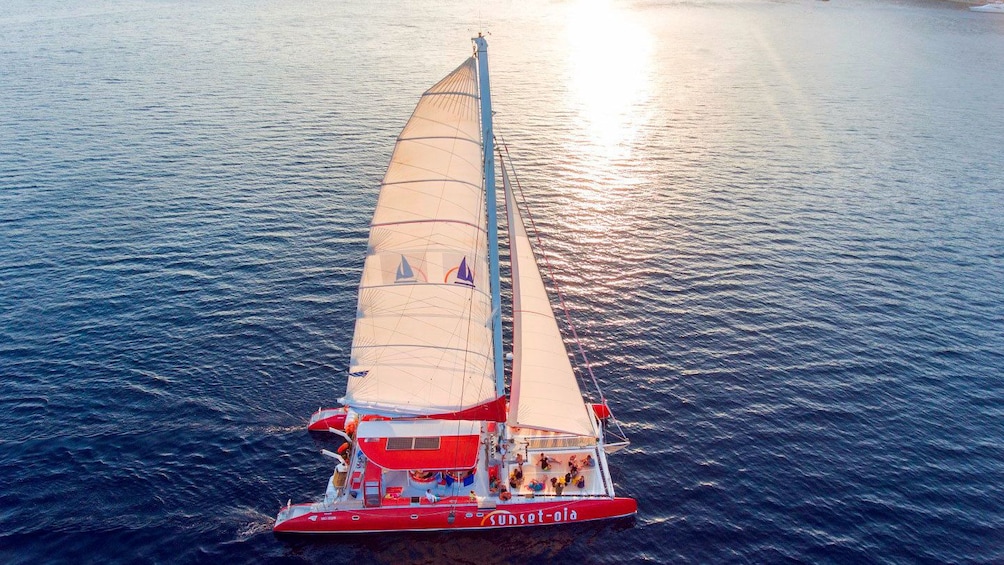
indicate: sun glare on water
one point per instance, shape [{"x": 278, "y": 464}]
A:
[
  {"x": 609, "y": 89},
  {"x": 609, "y": 71}
]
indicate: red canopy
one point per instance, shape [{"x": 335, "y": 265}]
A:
[{"x": 420, "y": 444}]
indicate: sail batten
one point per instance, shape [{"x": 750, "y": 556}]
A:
[
  {"x": 422, "y": 343},
  {"x": 386, "y": 224},
  {"x": 437, "y": 137}
]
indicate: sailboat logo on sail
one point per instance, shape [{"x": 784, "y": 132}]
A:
[
  {"x": 405, "y": 274},
  {"x": 464, "y": 274}
]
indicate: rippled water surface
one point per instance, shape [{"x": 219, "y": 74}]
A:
[{"x": 779, "y": 227}]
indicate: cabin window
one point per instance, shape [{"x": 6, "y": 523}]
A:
[
  {"x": 409, "y": 443},
  {"x": 398, "y": 443},
  {"x": 427, "y": 443}
]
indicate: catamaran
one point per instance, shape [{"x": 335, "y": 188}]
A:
[{"x": 430, "y": 439}]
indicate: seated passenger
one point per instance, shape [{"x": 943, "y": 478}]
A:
[
  {"x": 505, "y": 494},
  {"x": 431, "y": 497},
  {"x": 581, "y": 482},
  {"x": 545, "y": 462},
  {"x": 515, "y": 478},
  {"x": 588, "y": 461}
]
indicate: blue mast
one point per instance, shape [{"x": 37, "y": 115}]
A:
[{"x": 488, "y": 137}]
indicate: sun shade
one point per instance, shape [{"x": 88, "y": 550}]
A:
[{"x": 420, "y": 444}]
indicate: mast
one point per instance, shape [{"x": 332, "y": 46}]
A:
[{"x": 488, "y": 141}]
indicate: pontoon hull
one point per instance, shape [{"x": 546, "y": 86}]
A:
[
  {"x": 328, "y": 418},
  {"x": 467, "y": 516}
]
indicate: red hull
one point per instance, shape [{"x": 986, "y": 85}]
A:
[
  {"x": 328, "y": 418},
  {"x": 467, "y": 516}
]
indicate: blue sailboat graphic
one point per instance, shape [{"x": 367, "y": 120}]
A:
[
  {"x": 404, "y": 273},
  {"x": 464, "y": 274}
]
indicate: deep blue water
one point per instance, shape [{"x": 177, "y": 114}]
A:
[{"x": 779, "y": 227}]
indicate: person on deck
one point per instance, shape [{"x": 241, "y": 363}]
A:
[
  {"x": 432, "y": 498},
  {"x": 516, "y": 478},
  {"x": 545, "y": 462}
]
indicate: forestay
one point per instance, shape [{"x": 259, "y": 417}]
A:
[
  {"x": 423, "y": 342},
  {"x": 545, "y": 394}
]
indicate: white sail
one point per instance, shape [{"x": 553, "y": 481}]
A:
[
  {"x": 544, "y": 392},
  {"x": 422, "y": 342}
]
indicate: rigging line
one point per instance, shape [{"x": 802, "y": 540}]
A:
[{"x": 554, "y": 281}]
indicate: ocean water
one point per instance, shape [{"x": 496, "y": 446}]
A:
[{"x": 779, "y": 227}]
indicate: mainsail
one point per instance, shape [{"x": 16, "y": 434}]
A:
[
  {"x": 423, "y": 335},
  {"x": 545, "y": 394}
]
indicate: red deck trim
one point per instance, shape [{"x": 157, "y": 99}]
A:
[{"x": 491, "y": 411}]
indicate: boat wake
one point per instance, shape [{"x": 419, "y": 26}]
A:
[
  {"x": 280, "y": 430},
  {"x": 253, "y": 523}
]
